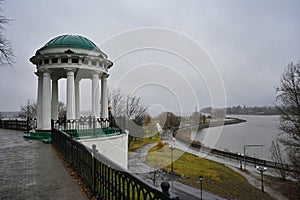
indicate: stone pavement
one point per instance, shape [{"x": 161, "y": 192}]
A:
[{"x": 30, "y": 169}]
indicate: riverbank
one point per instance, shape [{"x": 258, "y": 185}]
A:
[
  {"x": 184, "y": 133},
  {"x": 227, "y": 121}
]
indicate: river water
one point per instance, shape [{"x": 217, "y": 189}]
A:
[{"x": 257, "y": 130}]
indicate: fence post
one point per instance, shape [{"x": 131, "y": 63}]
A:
[
  {"x": 94, "y": 151},
  {"x": 52, "y": 124},
  {"x": 94, "y": 126},
  {"x": 28, "y": 124}
]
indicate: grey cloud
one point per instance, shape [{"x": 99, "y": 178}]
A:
[{"x": 250, "y": 41}]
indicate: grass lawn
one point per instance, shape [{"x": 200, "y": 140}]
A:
[
  {"x": 218, "y": 178},
  {"x": 287, "y": 188},
  {"x": 139, "y": 142}
]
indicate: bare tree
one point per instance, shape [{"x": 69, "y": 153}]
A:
[
  {"x": 128, "y": 111},
  {"x": 288, "y": 99},
  {"x": 277, "y": 157},
  {"x": 128, "y": 106},
  {"x": 135, "y": 109},
  {"x": 28, "y": 110},
  {"x": 116, "y": 101},
  {"x": 62, "y": 111},
  {"x": 6, "y": 52}
]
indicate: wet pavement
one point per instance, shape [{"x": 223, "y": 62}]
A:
[{"x": 30, "y": 169}]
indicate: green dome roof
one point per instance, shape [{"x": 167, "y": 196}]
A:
[{"x": 72, "y": 41}]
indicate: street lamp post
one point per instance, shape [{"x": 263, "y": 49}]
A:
[
  {"x": 245, "y": 148},
  {"x": 261, "y": 170},
  {"x": 240, "y": 156},
  {"x": 172, "y": 148},
  {"x": 201, "y": 179}
]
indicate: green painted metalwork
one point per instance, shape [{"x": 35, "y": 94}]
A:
[
  {"x": 39, "y": 135},
  {"x": 89, "y": 133},
  {"x": 106, "y": 179}
]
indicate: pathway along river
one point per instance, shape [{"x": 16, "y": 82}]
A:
[{"x": 257, "y": 130}]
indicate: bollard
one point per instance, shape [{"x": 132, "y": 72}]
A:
[{"x": 165, "y": 186}]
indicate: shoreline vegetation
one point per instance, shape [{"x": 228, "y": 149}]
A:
[
  {"x": 227, "y": 121},
  {"x": 184, "y": 133},
  {"x": 244, "y": 110}
]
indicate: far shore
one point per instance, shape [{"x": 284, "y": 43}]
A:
[{"x": 232, "y": 120}]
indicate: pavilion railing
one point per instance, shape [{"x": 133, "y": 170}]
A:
[
  {"x": 16, "y": 124},
  {"x": 86, "y": 126},
  {"x": 106, "y": 179}
]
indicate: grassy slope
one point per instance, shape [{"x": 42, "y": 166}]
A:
[
  {"x": 218, "y": 178},
  {"x": 139, "y": 142},
  {"x": 287, "y": 188}
]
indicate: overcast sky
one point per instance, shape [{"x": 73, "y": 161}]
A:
[{"x": 250, "y": 44}]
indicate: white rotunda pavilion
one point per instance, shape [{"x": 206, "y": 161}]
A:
[{"x": 75, "y": 58}]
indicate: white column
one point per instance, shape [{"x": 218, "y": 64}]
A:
[
  {"x": 54, "y": 101},
  {"x": 46, "y": 101},
  {"x": 77, "y": 99},
  {"x": 104, "y": 101},
  {"x": 70, "y": 95},
  {"x": 95, "y": 96},
  {"x": 39, "y": 101}
]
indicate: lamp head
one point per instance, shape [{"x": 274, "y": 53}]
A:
[
  {"x": 201, "y": 178},
  {"x": 265, "y": 169}
]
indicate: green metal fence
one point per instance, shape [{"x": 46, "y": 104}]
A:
[{"x": 105, "y": 178}]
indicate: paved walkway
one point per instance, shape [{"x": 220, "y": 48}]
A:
[
  {"x": 30, "y": 169},
  {"x": 137, "y": 165}
]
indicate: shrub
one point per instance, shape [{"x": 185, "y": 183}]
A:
[
  {"x": 196, "y": 144},
  {"x": 160, "y": 144}
]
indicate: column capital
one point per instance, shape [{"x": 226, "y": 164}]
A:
[
  {"x": 96, "y": 75},
  {"x": 105, "y": 75},
  {"x": 70, "y": 73},
  {"x": 46, "y": 73},
  {"x": 42, "y": 71},
  {"x": 71, "y": 69}
]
